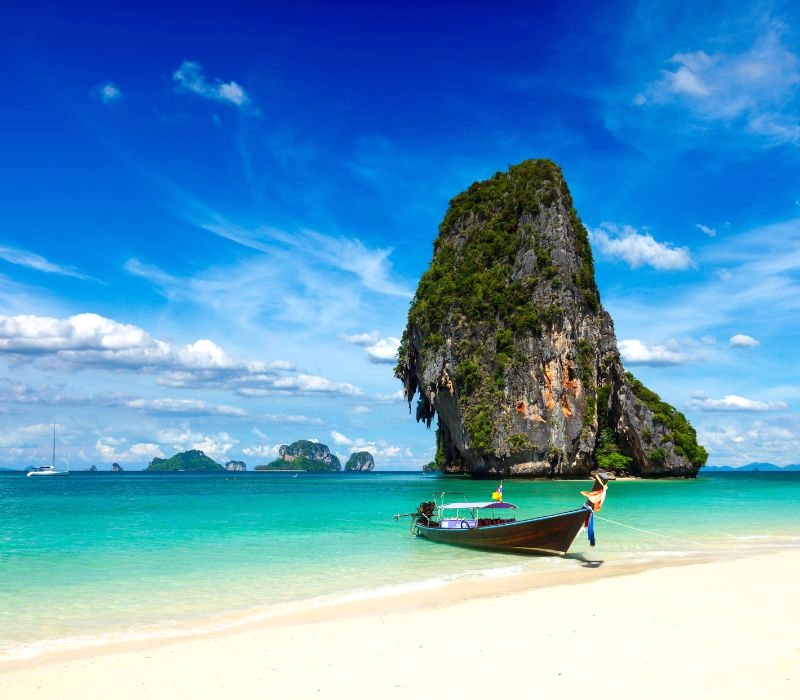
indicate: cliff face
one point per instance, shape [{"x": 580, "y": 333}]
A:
[{"x": 508, "y": 345}]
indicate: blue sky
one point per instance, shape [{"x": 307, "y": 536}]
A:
[{"x": 212, "y": 221}]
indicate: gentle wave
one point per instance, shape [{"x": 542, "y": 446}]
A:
[{"x": 172, "y": 630}]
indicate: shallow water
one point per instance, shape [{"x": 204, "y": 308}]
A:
[{"x": 99, "y": 556}]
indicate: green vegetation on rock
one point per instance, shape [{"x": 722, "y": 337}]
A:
[
  {"x": 471, "y": 282},
  {"x": 679, "y": 430},
  {"x": 191, "y": 461},
  {"x": 303, "y": 455},
  {"x": 360, "y": 462}
]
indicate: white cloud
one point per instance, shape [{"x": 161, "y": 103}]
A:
[
  {"x": 293, "y": 419},
  {"x": 184, "y": 407},
  {"x": 340, "y": 439},
  {"x": 639, "y": 249},
  {"x": 189, "y": 78},
  {"x": 361, "y": 338},
  {"x": 635, "y": 352},
  {"x": 732, "y": 402},
  {"x": 25, "y": 258},
  {"x": 268, "y": 451},
  {"x": 109, "y": 93},
  {"x": 316, "y": 385},
  {"x": 90, "y": 340},
  {"x": 754, "y": 87},
  {"x": 740, "y": 340},
  {"x": 706, "y": 229},
  {"x": 115, "y": 450},
  {"x": 384, "y": 351},
  {"x": 742, "y": 440},
  {"x": 183, "y": 438},
  {"x": 359, "y": 410},
  {"x": 379, "y": 350}
]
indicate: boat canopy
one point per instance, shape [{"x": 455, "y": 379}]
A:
[{"x": 479, "y": 504}]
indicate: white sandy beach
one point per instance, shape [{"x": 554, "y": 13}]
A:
[{"x": 722, "y": 629}]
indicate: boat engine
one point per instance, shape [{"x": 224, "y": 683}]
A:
[{"x": 425, "y": 510}]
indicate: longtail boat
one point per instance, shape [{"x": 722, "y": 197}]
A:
[{"x": 492, "y": 525}]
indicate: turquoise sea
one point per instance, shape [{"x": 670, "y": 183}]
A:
[{"x": 98, "y": 557}]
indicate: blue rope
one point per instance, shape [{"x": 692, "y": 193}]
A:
[{"x": 590, "y": 527}]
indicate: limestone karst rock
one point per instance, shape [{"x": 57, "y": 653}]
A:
[
  {"x": 360, "y": 462},
  {"x": 507, "y": 344}
]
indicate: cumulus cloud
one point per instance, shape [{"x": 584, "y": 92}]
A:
[
  {"x": 740, "y": 340},
  {"x": 90, "y": 340},
  {"x": 635, "y": 352},
  {"x": 34, "y": 261},
  {"x": 340, "y": 439},
  {"x": 117, "y": 450},
  {"x": 109, "y": 93},
  {"x": 183, "y": 438},
  {"x": 379, "y": 350},
  {"x": 268, "y": 451},
  {"x": 742, "y": 440},
  {"x": 189, "y": 77},
  {"x": 379, "y": 449},
  {"x": 384, "y": 351},
  {"x": 359, "y": 410},
  {"x": 732, "y": 402},
  {"x": 639, "y": 249}
]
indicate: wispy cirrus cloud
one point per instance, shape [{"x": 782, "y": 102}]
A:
[
  {"x": 184, "y": 407},
  {"x": 189, "y": 78},
  {"x": 34, "y": 261},
  {"x": 638, "y": 249},
  {"x": 734, "y": 402},
  {"x": 755, "y": 87}
]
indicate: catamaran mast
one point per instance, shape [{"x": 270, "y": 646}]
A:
[{"x": 54, "y": 446}]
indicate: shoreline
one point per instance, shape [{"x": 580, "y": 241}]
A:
[
  {"x": 482, "y": 587},
  {"x": 725, "y": 628}
]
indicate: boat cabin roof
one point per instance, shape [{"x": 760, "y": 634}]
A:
[{"x": 479, "y": 504}]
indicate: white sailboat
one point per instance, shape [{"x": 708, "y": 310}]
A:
[{"x": 51, "y": 470}]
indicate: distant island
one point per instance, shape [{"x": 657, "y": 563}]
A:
[
  {"x": 190, "y": 461},
  {"x": 308, "y": 456},
  {"x": 304, "y": 455},
  {"x": 754, "y": 467},
  {"x": 234, "y": 466},
  {"x": 360, "y": 462}
]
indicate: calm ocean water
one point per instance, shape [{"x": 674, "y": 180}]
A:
[{"x": 95, "y": 557}]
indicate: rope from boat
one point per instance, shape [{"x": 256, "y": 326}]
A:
[{"x": 647, "y": 532}]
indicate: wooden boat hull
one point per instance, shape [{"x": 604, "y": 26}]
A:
[{"x": 549, "y": 534}]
